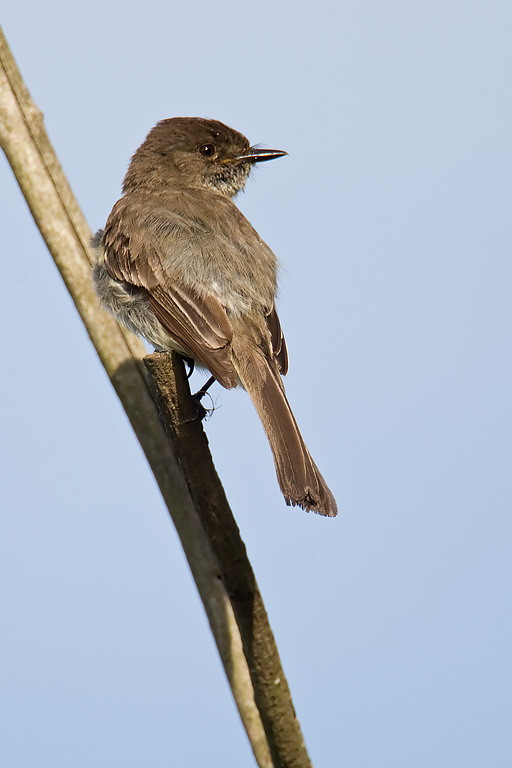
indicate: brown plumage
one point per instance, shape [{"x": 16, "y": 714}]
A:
[{"x": 180, "y": 264}]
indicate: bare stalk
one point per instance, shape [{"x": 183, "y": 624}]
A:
[{"x": 232, "y": 601}]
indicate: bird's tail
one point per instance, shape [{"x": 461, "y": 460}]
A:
[{"x": 299, "y": 478}]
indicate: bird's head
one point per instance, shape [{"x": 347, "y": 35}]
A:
[{"x": 186, "y": 152}]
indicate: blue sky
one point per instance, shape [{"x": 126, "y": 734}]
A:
[{"x": 391, "y": 219}]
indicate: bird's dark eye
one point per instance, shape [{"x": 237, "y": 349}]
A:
[{"x": 207, "y": 150}]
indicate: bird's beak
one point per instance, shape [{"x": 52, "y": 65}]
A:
[{"x": 256, "y": 155}]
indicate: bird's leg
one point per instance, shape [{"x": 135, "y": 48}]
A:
[
  {"x": 201, "y": 411},
  {"x": 191, "y": 365},
  {"x": 204, "y": 389}
]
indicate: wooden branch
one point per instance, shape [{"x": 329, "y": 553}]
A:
[
  {"x": 179, "y": 413},
  {"x": 207, "y": 531}
]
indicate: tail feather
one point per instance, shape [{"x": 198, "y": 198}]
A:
[{"x": 299, "y": 478}]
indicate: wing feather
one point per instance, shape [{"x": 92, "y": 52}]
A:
[
  {"x": 199, "y": 325},
  {"x": 278, "y": 343}
]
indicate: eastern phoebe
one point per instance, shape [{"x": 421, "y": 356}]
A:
[{"x": 179, "y": 264}]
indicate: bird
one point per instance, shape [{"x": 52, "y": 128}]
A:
[{"x": 179, "y": 264}]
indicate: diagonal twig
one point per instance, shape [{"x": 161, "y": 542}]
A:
[{"x": 232, "y": 602}]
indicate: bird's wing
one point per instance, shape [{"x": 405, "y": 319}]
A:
[
  {"x": 278, "y": 343},
  {"x": 134, "y": 254}
]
